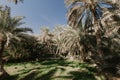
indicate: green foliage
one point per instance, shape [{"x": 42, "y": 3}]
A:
[
  {"x": 10, "y": 28},
  {"x": 50, "y": 70},
  {"x": 83, "y": 14},
  {"x": 101, "y": 31}
]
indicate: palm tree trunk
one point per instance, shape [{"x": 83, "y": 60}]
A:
[
  {"x": 1, "y": 54},
  {"x": 3, "y": 40},
  {"x": 99, "y": 45},
  {"x": 3, "y": 73}
]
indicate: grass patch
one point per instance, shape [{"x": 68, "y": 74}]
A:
[{"x": 50, "y": 70}]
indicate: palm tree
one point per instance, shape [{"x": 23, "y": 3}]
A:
[
  {"x": 83, "y": 14},
  {"x": 69, "y": 42},
  {"x": 46, "y": 38},
  {"x": 73, "y": 44},
  {"x": 88, "y": 15},
  {"x": 10, "y": 31}
]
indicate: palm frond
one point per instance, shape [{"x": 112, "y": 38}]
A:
[
  {"x": 10, "y": 27},
  {"x": 84, "y": 13},
  {"x": 23, "y": 30},
  {"x": 17, "y": 21}
]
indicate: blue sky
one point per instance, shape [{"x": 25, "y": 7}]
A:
[{"x": 39, "y": 13}]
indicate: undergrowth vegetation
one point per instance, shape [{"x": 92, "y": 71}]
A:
[{"x": 51, "y": 70}]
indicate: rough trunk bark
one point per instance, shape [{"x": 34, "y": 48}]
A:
[
  {"x": 1, "y": 61},
  {"x": 2, "y": 45}
]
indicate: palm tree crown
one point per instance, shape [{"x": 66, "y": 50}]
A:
[
  {"x": 84, "y": 13},
  {"x": 9, "y": 26}
]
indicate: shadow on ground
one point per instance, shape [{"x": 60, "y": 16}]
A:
[{"x": 50, "y": 70}]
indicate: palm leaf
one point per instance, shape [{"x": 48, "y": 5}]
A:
[
  {"x": 10, "y": 28},
  {"x": 84, "y": 13},
  {"x": 19, "y": 30}
]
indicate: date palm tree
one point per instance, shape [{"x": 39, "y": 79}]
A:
[
  {"x": 67, "y": 40},
  {"x": 10, "y": 31},
  {"x": 83, "y": 14},
  {"x": 72, "y": 43},
  {"x": 46, "y": 38},
  {"x": 89, "y": 15}
]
